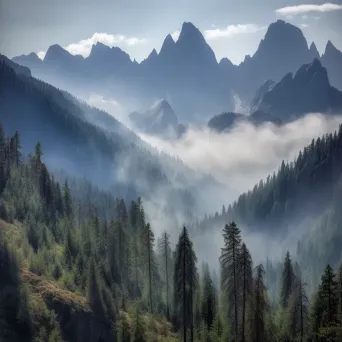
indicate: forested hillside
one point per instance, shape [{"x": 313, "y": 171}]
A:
[
  {"x": 87, "y": 142},
  {"x": 92, "y": 270},
  {"x": 303, "y": 188}
]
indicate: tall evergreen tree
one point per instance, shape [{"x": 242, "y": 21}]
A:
[
  {"x": 209, "y": 306},
  {"x": 259, "y": 308},
  {"x": 245, "y": 267},
  {"x": 185, "y": 280},
  {"x": 230, "y": 272},
  {"x": 94, "y": 290},
  {"x": 288, "y": 278},
  {"x": 165, "y": 249},
  {"x": 150, "y": 262}
]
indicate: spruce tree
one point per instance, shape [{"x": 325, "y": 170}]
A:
[
  {"x": 259, "y": 307},
  {"x": 209, "y": 306},
  {"x": 94, "y": 290},
  {"x": 185, "y": 281},
  {"x": 245, "y": 267},
  {"x": 288, "y": 278},
  {"x": 230, "y": 272},
  {"x": 165, "y": 250}
]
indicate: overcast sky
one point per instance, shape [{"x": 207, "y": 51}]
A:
[{"x": 233, "y": 28}]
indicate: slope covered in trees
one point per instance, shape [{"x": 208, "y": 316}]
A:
[
  {"x": 88, "y": 142},
  {"x": 71, "y": 270},
  {"x": 303, "y": 188}
]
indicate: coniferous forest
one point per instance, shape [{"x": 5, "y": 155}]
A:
[{"x": 89, "y": 268}]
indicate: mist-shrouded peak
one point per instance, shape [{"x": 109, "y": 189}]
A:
[
  {"x": 164, "y": 111},
  {"x": 313, "y": 51}
]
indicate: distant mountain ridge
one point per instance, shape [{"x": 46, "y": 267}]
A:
[
  {"x": 159, "y": 119},
  {"x": 186, "y": 71},
  {"x": 306, "y": 91}
]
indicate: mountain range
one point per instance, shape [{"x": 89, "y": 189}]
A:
[
  {"x": 159, "y": 119},
  {"x": 90, "y": 143},
  {"x": 308, "y": 90},
  {"x": 186, "y": 73}
]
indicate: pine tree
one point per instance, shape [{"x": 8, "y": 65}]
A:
[
  {"x": 298, "y": 311},
  {"x": 165, "y": 250},
  {"x": 245, "y": 267},
  {"x": 150, "y": 262},
  {"x": 259, "y": 308},
  {"x": 94, "y": 290},
  {"x": 67, "y": 200},
  {"x": 288, "y": 278},
  {"x": 329, "y": 297},
  {"x": 230, "y": 272},
  {"x": 185, "y": 280},
  {"x": 209, "y": 306}
]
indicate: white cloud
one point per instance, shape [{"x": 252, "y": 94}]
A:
[
  {"x": 300, "y": 9},
  {"x": 175, "y": 35},
  {"x": 41, "y": 54},
  {"x": 239, "y": 159},
  {"x": 231, "y": 31},
  {"x": 304, "y": 25},
  {"x": 83, "y": 47}
]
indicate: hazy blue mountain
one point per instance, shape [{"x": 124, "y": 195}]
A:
[
  {"x": 284, "y": 49},
  {"x": 159, "y": 119},
  {"x": 185, "y": 72},
  {"x": 313, "y": 51},
  {"x": 332, "y": 60},
  {"x": 307, "y": 91},
  {"x": 19, "y": 69},
  {"x": 225, "y": 121}
]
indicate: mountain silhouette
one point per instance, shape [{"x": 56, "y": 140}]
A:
[
  {"x": 185, "y": 72},
  {"x": 332, "y": 60},
  {"x": 307, "y": 91}
]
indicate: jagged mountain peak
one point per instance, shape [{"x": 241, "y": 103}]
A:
[
  {"x": 168, "y": 45},
  {"x": 55, "y": 52},
  {"x": 190, "y": 33},
  {"x": 330, "y": 48},
  {"x": 313, "y": 51}
]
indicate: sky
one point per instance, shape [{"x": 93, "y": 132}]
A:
[{"x": 233, "y": 28}]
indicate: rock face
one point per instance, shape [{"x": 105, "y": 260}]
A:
[
  {"x": 332, "y": 60},
  {"x": 160, "y": 120},
  {"x": 307, "y": 91}
]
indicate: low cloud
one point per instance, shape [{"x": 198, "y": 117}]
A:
[
  {"x": 304, "y": 26},
  {"x": 83, "y": 47},
  {"x": 175, "y": 35},
  {"x": 41, "y": 54},
  {"x": 232, "y": 31},
  {"x": 246, "y": 154},
  {"x": 300, "y": 9}
]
